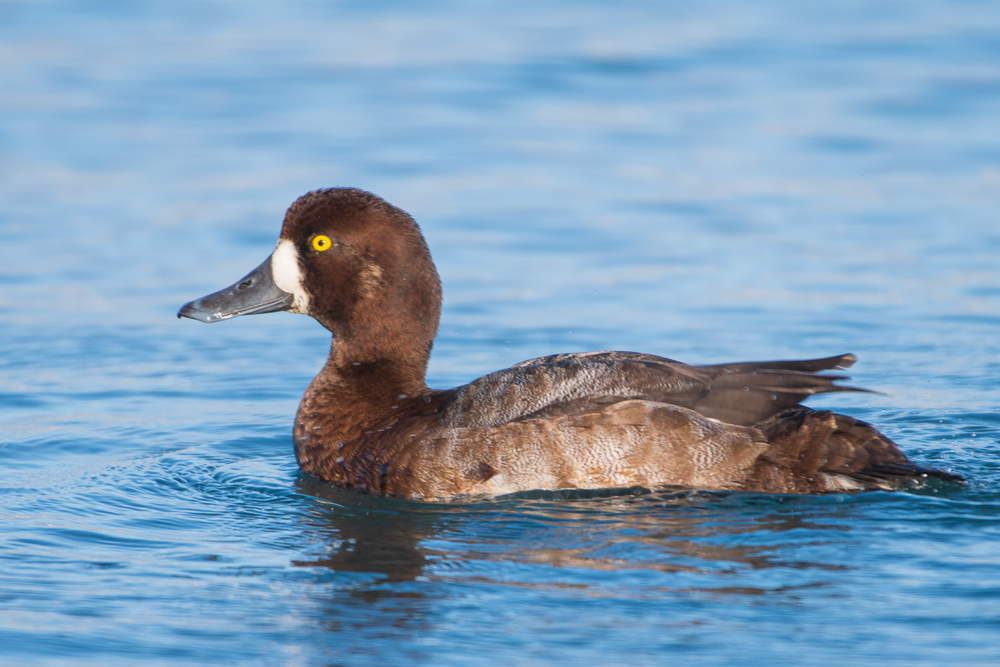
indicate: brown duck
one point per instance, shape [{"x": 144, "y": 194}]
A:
[{"x": 368, "y": 421}]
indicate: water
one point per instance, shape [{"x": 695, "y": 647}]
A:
[{"x": 720, "y": 182}]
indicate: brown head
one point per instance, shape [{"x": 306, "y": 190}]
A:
[{"x": 356, "y": 264}]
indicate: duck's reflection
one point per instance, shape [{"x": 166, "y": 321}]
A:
[
  {"x": 366, "y": 535},
  {"x": 717, "y": 535},
  {"x": 400, "y": 576}
]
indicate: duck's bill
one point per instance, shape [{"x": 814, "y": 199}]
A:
[{"x": 256, "y": 293}]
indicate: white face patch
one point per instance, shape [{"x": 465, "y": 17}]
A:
[{"x": 288, "y": 276}]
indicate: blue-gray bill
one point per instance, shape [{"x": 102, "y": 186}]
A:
[{"x": 255, "y": 293}]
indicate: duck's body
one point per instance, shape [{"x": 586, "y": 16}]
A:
[{"x": 575, "y": 421}]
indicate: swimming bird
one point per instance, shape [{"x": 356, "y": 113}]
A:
[{"x": 368, "y": 421}]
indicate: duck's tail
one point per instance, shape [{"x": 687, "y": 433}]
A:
[{"x": 820, "y": 451}]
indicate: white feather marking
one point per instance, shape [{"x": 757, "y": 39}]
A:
[
  {"x": 288, "y": 276},
  {"x": 841, "y": 483}
]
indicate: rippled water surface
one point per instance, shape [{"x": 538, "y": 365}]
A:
[{"x": 713, "y": 182}]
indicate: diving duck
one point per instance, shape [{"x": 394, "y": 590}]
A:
[{"x": 368, "y": 421}]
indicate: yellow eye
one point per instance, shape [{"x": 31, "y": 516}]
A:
[{"x": 321, "y": 243}]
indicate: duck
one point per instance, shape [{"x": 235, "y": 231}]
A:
[{"x": 597, "y": 420}]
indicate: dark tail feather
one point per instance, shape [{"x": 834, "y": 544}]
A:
[
  {"x": 747, "y": 393},
  {"x": 841, "y": 361},
  {"x": 898, "y": 474}
]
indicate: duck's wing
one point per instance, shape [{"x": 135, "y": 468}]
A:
[
  {"x": 746, "y": 393},
  {"x": 564, "y": 384}
]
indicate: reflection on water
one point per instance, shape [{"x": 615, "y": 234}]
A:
[
  {"x": 702, "y": 533},
  {"x": 644, "y": 573},
  {"x": 562, "y": 574},
  {"x": 361, "y": 536}
]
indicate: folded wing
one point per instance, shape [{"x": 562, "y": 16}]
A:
[{"x": 564, "y": 384}]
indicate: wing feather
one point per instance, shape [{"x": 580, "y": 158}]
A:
[{"x": 563, "y": 384}]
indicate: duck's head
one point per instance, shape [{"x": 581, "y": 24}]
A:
[{"x": 356, "y": 264}]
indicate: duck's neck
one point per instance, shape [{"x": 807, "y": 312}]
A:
[
  {"x": 347, "y": 396},
  {"x": 369, "y": 384}
]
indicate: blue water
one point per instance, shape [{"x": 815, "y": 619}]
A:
[{"x": 718, "y": 181}]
